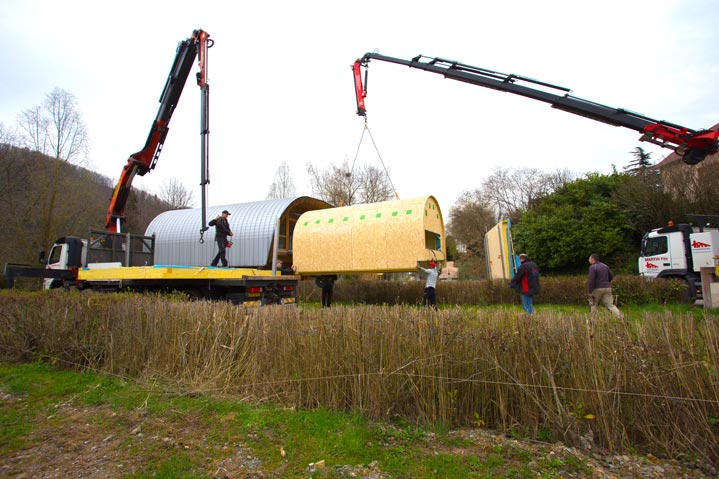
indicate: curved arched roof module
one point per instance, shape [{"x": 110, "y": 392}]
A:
[
  {"x": 389, "y": 236},
  {"x": 177, "y": 232}
]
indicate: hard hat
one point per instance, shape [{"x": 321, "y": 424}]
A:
[{"x": 432, "y": 264}]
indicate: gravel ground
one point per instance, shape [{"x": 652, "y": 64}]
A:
[{"x": 101, "y": 443}]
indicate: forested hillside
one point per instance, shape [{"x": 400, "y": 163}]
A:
[{"x": 42, "y": 199}]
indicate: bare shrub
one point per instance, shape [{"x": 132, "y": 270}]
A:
[{"x": 567, "y": 290}]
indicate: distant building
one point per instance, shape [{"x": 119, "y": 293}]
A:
[
  {"x": 677, "y": 176},
  {"x": 449, "y": 272}
]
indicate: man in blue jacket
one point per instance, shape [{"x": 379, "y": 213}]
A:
[{"x": 526, "y": 281}]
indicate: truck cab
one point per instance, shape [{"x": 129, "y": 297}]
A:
[
  {"x": 67, "y": 253},
  {"x": 103, "y": 249},
  {"x": 664, "y": 252},
  {"x": 679, "y": 251}
]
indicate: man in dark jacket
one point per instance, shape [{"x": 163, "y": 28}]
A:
[
  {"x": 599, "y": 288},
  {"x": 222, "y": 231},
  {"x": 327, "y": 283},
  {"x": 526, "y": 281}
]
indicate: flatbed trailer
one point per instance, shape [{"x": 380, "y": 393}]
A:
[
  {"x": 243, "y": 286},
  {"x": 114, "y": 262}
]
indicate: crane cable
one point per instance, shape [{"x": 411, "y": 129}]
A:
[{"x": 366, "y": 128}]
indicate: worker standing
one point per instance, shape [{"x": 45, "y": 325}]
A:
[
  {"x": 599, "y": 288},
  {"x": 526, "y": 282},
  {"x": 222, "y": 231},
  {"x": 430, "y": 292},
  {"x": 327, "y": 284}
]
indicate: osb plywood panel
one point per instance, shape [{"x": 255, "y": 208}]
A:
[
  {"x": 322, "y": 239},
  {"x": 375, "y": 237},
  {"x": 498, "y": 251}
]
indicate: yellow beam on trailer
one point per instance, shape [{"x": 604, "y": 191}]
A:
[{"x": 169, "y": 272}]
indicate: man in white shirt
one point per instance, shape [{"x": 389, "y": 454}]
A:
[{"x": 430, "y": 293}]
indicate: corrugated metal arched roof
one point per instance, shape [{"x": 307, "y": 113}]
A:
[{"x": 253, "y": 224}]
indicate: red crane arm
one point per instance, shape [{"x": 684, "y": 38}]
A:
[
  {"x": 145, "y": 160},
  {"x": 692, "y": 145}
]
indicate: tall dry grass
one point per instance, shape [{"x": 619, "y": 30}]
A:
[{"x": 648, "y": 385}]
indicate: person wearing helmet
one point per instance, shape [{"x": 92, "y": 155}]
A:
[{"x": 430, "y": 293}]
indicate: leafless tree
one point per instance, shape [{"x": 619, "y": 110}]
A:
[
  {"x": 54, "y": 129},
  {"x": 694, "y": 189},
  {"x": 469, "y": 219},
  {"x": 141, "y": 208},
  {"x": 13, "y": 173},
  {"x": 176, "y": 195},
  {"x": 346, "y": 186},
  {"x": 33, "y": 126},
  {"x": 335, "y": 185},
  {"x": 283, "y": 186},
  {"x": 7, "y": 136},
  {"x": 375, "y": 185},
  {"x": 558, "y": 179},
  {"x": 510, "y": 191}
]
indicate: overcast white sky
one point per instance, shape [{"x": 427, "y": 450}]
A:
[{"x": 282, "y": 89}]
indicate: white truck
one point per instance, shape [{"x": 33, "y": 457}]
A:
[{"x": 680, "y": 251}]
